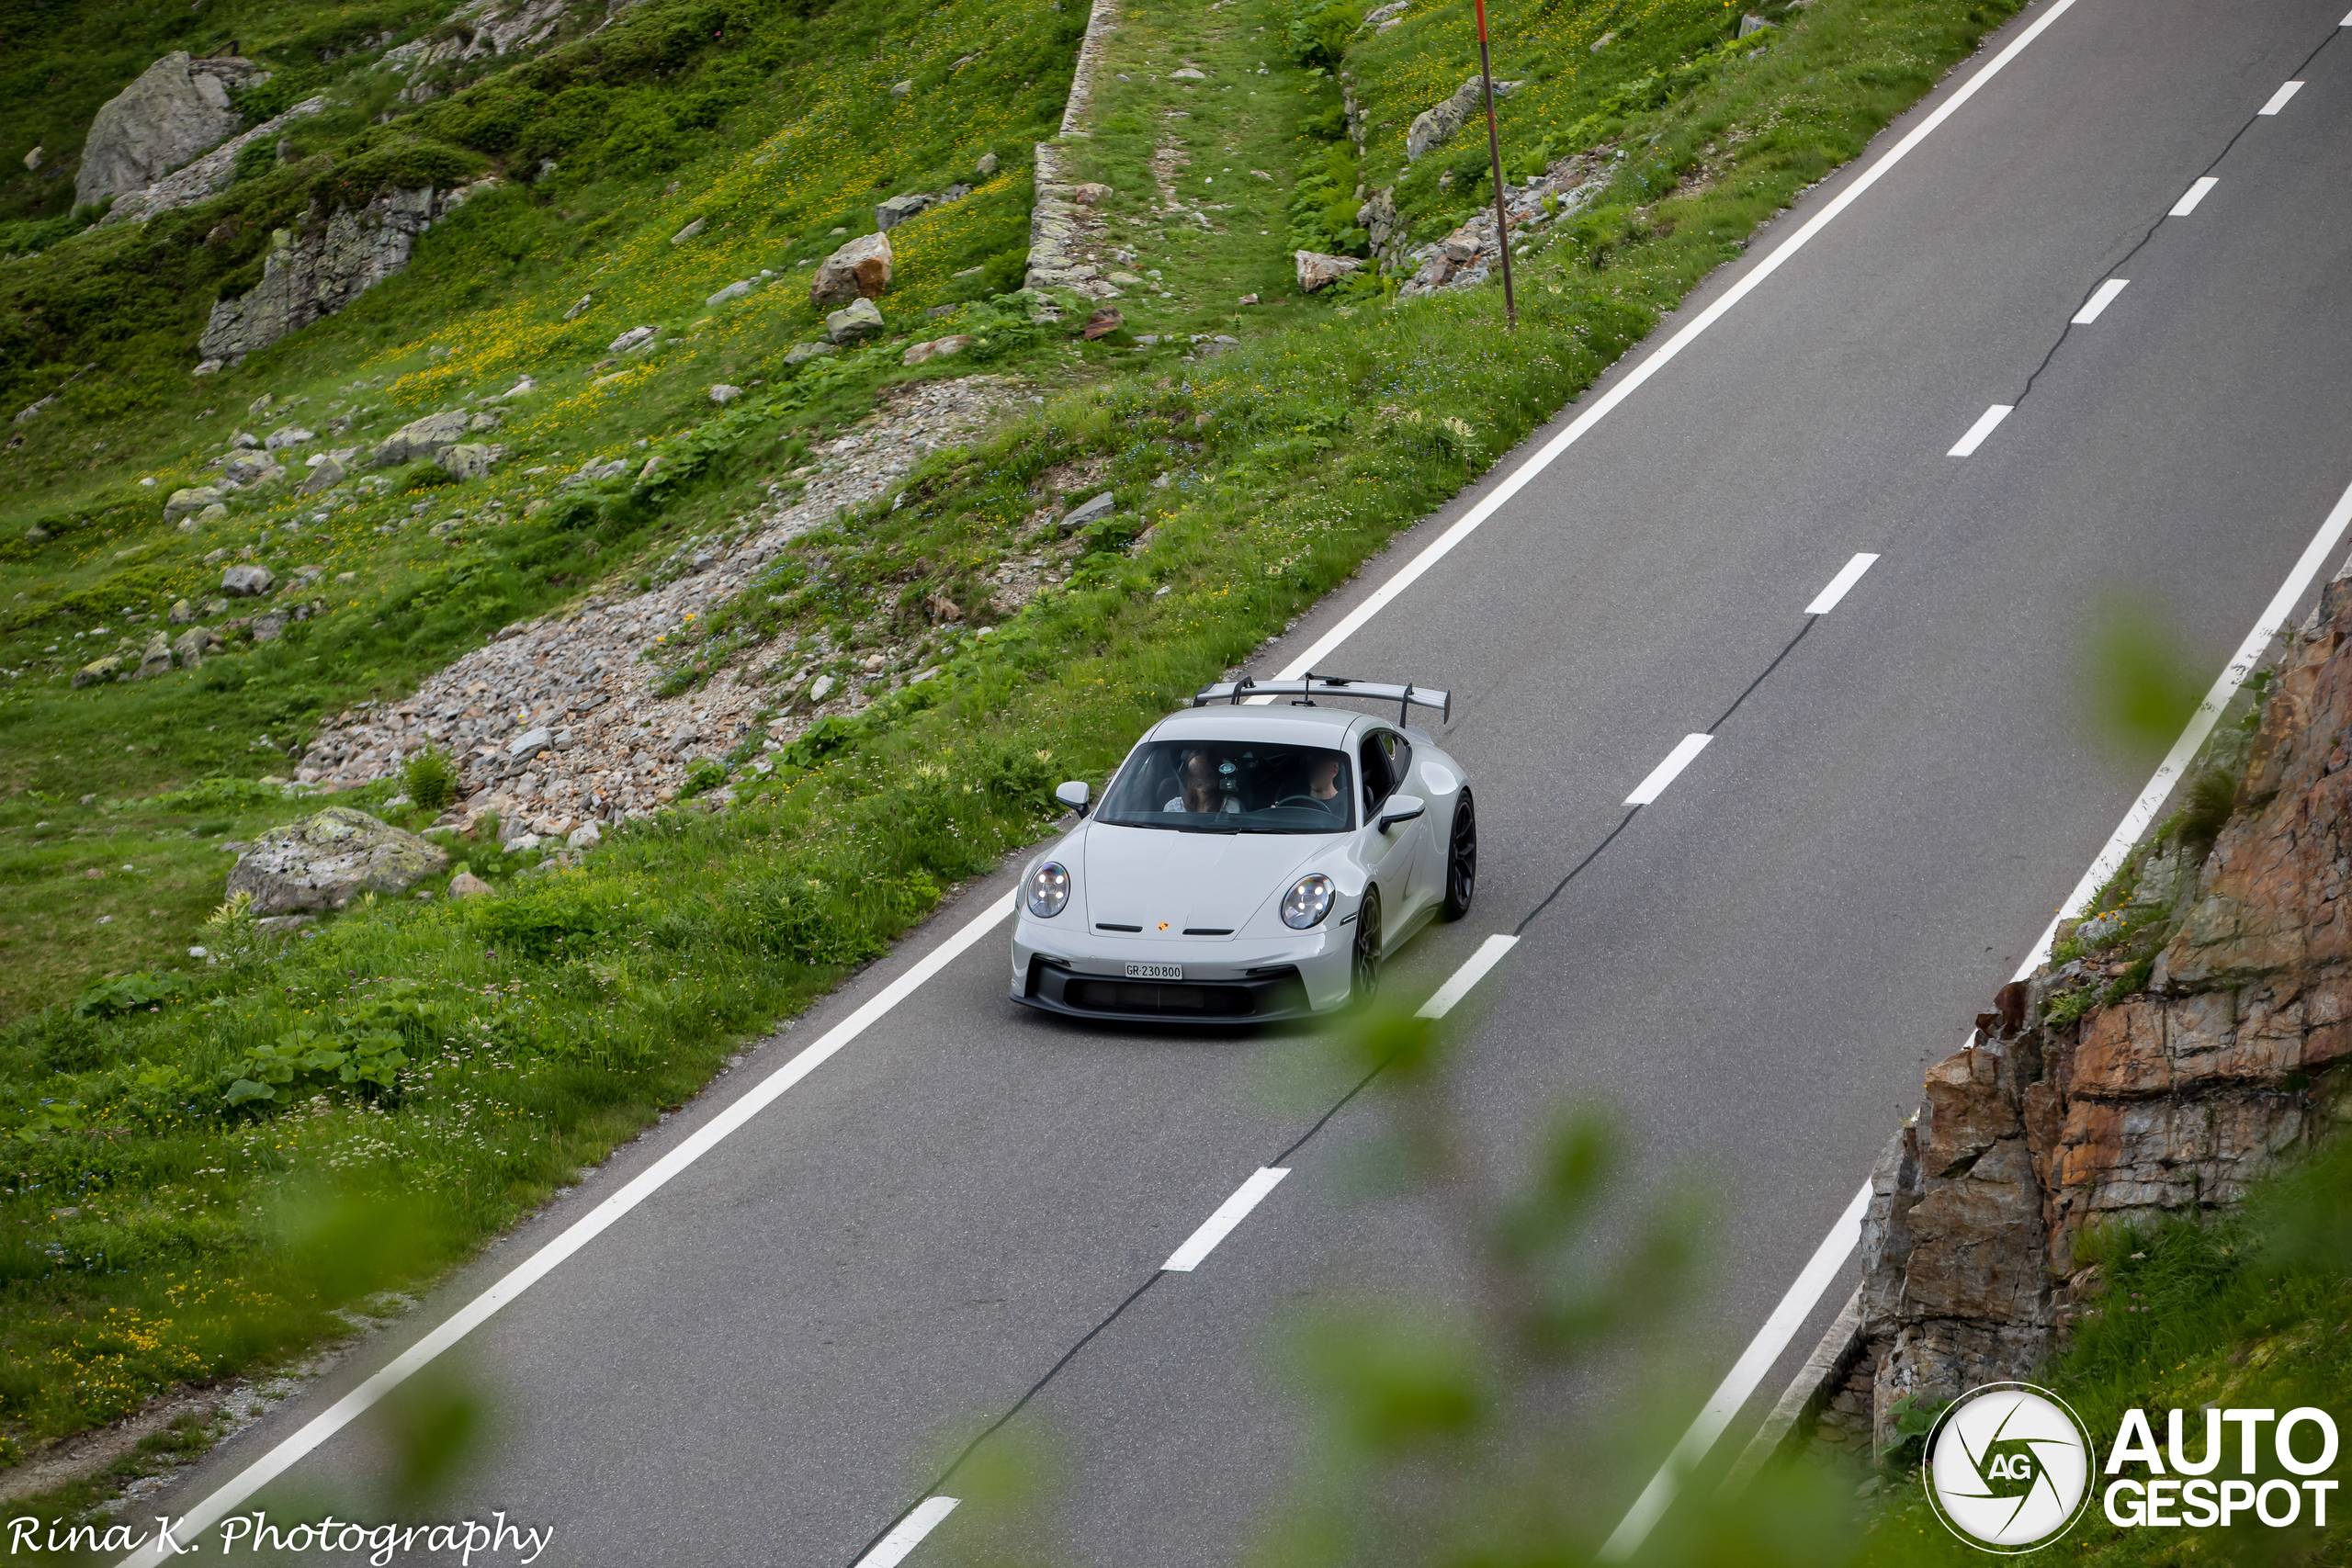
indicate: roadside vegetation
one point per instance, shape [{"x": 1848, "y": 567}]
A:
[{"x": 473, "y": 1056}]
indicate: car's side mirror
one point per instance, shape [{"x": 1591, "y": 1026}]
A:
[
  {"x": 1401, "y": 809},
  {"x": 1073, "y": 795}
]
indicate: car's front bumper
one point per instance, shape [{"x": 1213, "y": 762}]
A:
[{"x": 1235, "y": 981}]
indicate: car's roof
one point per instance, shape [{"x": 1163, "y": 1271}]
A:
[{"x": 1283, "y": 725}]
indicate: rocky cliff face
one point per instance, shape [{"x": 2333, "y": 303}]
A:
[
  {"x": 318, "y": 269},
  {"x": 176, "y": 109},
  {"x": 206, "y": 177},
  {"x": 2084, "y": 1097}
]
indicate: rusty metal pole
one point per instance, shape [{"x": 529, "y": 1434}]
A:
[{"x": 1495, "y": 157}]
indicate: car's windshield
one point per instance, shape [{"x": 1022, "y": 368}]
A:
[{"x": 1230, "y": 786}]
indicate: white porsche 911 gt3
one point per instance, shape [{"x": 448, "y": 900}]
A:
[{"x": 1249, "y": 863}]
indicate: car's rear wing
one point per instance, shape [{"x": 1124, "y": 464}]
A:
[{"x": 1306, "y": 688}]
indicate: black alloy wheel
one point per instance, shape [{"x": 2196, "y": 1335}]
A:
[
  {"x": 1462, "y": 859},
  {"x": 1363, "y": 956}
]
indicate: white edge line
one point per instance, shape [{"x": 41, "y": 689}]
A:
[
  {"x": 1795, "y": 1306},
  {"x": 2101, "y": 297},
  {"x": 2278, "y": 99},
  {"x": 1987, "y": 422},
  {"x": 2192, "y": 196},
  {"x": 1447, "y": 996},
  {"x": 2169, "y": 772},
  {"x": 1798, "y": 1304},
  {"x": 892, "y": 1549},
  {"x": 1665, "y": 774},
  {"x": 1840, "y": 585},
  {"x": 352, "y": 1405},
  {"x": 1544, "y": 456},
  {"x": 1230, "y": 1214}
]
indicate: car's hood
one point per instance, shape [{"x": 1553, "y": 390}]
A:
[{"x": 1169, "y": 881}]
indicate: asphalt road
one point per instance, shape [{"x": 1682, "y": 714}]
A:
[{"x": 767, "y": 1360}]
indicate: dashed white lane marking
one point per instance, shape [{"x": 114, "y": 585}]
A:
[
  {"x": 1987, "y": 422},
  {"x": 1839, "y": 585},
  {"x": 1230, "y": 1214},
  {"x": 1828, "y": 1259},
  {"x": 2190, "y": 198},
  {"x": 2278, "y": 99},
  {"x": 1544, "y": 458},
  {"x": 578, "y": 1233},
  {"x": 892, "y": 1549},
  {"x": 2101, "y": 297},
  {"x": 1490, "y": 953},
  {"x": 1650, "y": 789}
]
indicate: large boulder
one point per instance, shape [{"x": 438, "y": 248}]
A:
[
  {"x": 247, "y": 582},
  {"x": 324, "y": 476},
  {"x": 324, "y": 861},
  {"x": 188, "y": 502},
  {"x": 899, "y": 208},
  {"x": 1317, "y": 270},
  {"x": 426, "y": 437},
  {"x": 176, "y": 109},
  {"x": 860, "y": 269},
  {"x": 858, "y": 321}
]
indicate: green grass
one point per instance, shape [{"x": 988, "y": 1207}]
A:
[{"x": 543, "y": 1026}]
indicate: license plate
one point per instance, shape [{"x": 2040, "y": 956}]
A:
[{"x": 1155, "y": 971}]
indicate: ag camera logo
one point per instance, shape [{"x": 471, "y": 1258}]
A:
[{"x": 2009, "y": 1468}]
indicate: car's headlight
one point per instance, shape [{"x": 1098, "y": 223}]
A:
[
  {"x": 1308, "y": 900},
  {"x": 1048, "y": 890}
]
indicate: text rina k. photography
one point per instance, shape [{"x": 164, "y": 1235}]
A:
[
  {"x": 465, "y": 1539},
  {"x": 2010, "y": 1468}
]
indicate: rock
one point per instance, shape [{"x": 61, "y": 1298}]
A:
[
  {"x": 987, "y": 164},
  {"x": 525, "y": 747},
  {"x": 579, "y": 307},
  {"x": 899, "y": 208},
  {"x": 246, "y": 441},
  {"x": 1435, "y": 126},
  {"x": 216, "y": 512},
  {"x": 176, "y": 109},
  {"x": 466, "y": 884},
  {"x": 859, "y": 320},
  {"x": 155, "y": 660},
  {"x": 182, "y": 613},
  {"x": 800, "y": 353},
  {"x": 587, "y": 836},
  {"x": 185, "y": 503},
  {"x": 485, "y": 419},
  {"x": 247, "y": 582},
  {"x": 735, "y": 290},
  {"x": 859, "y": 269},
  {"x": 317, "y": 268},
  {"x": 1102, "y": 323},
  {"x": 269, "y": 626},
  {"x": 937, "y": 348},
  {"x": 426, "y": 437},
  {"x": 1092, "y": 510},
  {"x": 902, "y": 89},
  {"x": 819, "y": 689},
  {"x": 722, "y": 394},
  {"x": 248, "y": 468},
  {"x": 1318, "y": 271},
  {"x": 522, "y": 388},
  {"x": 1128, "y": 280},
  {"x": 468, "y": 460},
  {"x": 324, "y": 861},
  {"x": 286, "y": 435},
  {"x": 635, "y": 339},
  {"x": 1188, "y": 74},
  {"x": 1752, "y": 24},
  {"x": 191, "y": 647},
  {"x": 96, "y": 669},
  {"x": 688, "y": 233},
  {"x": 324, "y": 477}
]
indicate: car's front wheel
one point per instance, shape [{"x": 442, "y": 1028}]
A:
[
  {"x": 1364, "y": 954},
  {"x": 1462, "y": 859}
]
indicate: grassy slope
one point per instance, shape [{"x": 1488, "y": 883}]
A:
[{"x": 547, "y": 1024}]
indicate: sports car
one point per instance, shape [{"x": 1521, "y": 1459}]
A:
[{"x": 1249, "y": 861}]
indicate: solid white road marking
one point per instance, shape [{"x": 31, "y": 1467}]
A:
[
  {"x": 1230, "y": 1214},
  {"x": 1847, "y": 575},
  {"x": 1795, "y": 1306},
  {"x": 2278, "y": 99},
  {"x": 1438, "y": 548},
  {"x": 892, "y": 1549},
  {"x": 343, "y": 1410},
  {"x": 1490, "y": 953},
  {"x": 1650, "y": 789},
  {"x": 1628, "y": 1536},
  {"x": 1985, "y": 425},
  {"x": 2195, "y": 194},
  {"x": 2101, "y": 297}
]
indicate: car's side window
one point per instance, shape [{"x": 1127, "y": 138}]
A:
[
  {"x": 1377, "y": 779},
  {"x": 1401, "y": 757}
]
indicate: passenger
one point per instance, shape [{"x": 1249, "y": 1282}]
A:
[{"x": 1201, "y": 785}]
